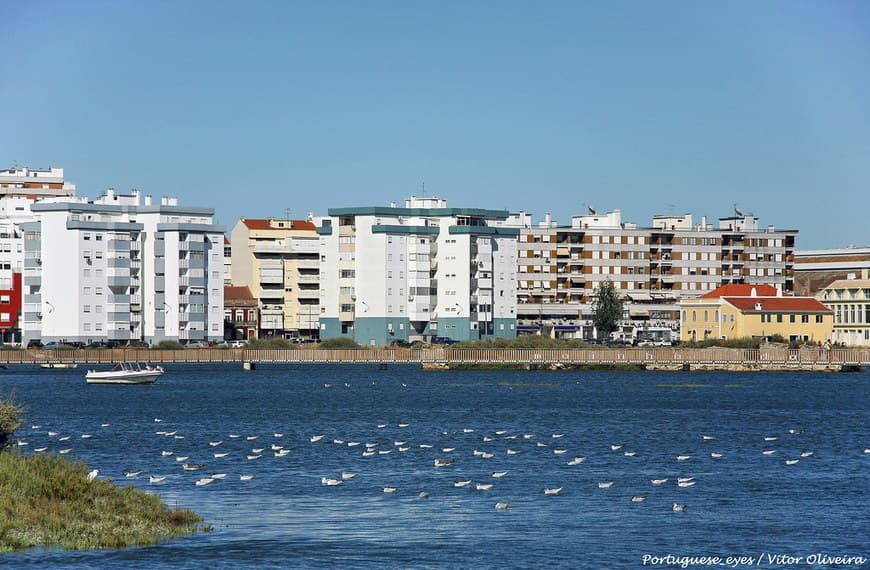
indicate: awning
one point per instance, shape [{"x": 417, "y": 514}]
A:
[
  {"x": 527, "y": 327},
  {"x": 566, "y": 328},
  {"x": 638, "y": 312},
  {"x": 639, "y": 296}
]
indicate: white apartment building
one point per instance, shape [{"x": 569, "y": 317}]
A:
[
  {"x": 278, "y": 260},
  {"x": 120, "y": 269},
  {"x": 418, "y": 271},
  {"x": 849, "y": 299},
  {"x": 19, "y": 188},
  {"x": 34, "y": 183},
  {"x": 652, "y": 267}
]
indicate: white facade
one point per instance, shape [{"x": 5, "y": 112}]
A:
[
  {"x": 411, "y": 273},
  {"x": 117, "y": 269}
]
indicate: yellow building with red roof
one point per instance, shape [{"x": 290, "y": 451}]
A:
[{"x": 760, "y": 311}]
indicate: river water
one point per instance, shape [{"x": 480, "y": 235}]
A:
[{"x": 744, "y": 503}]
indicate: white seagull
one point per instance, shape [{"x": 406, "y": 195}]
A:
[{"x": 552, "y": 490}]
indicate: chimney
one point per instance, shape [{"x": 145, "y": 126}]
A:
[{"x": 147, "y": 199}]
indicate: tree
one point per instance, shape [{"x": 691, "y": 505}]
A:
[{"x": 606, "y": 308}]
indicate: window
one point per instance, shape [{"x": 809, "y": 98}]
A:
[
  {"x": 779, "y": 318},
  {"x": 86, "y": 308},
  {"x": 820, "y": 318},
  {"x": 805, "y": 318},
  {"x": 5, "y": 299},
  {"x": 791, "y": 318}
]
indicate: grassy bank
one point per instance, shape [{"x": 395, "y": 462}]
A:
[{"x": 48, "y": 501}]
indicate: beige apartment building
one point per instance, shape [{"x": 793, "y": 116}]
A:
[
  {"x": 652, "y": 267},
  {"x": 849, "y": 299},
  {"x": 278, "y": 260}
]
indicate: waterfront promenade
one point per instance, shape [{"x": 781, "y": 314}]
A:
[{"x": 668, "y": 358}]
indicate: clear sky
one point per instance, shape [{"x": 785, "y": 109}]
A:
[{"x": 256, "y": 108}]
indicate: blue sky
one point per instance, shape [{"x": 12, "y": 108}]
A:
[{"x": 254, "y": 108}]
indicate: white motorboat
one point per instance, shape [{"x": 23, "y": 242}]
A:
[{"x": 125, "y": 373}]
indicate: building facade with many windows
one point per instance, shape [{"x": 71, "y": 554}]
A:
[
  {"x": 416, "y": 272},
  {"x": 278, "y": 259},
  {"x": 849, "y": 300},
  {"x": 117, "y": 269},
  {"x": 560, "y": 267}
]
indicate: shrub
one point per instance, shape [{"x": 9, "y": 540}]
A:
[
  {"x": 10, "y": 420},
  {"x": 524, "y": 341},
  {"x": 168, "y": 345},
  {"x": 281, "y": 343},
  {"x": 339, "y": 342}
]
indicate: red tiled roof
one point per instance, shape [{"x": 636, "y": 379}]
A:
[
  {"x": 266, "y": 225},
  {"x": 741, "y": 290},
  {"x": 778, "y": 304},
  {"x": 237, "y": 292}
]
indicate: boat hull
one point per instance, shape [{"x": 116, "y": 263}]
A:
[{"x": 128, "y": 376}]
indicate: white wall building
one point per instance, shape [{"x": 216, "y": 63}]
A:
[
  {"x": 390, "y": 273},
  {"x": 119, "y": 269}
]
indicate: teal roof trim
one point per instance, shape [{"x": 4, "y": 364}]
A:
[
  {"x": 435, "y": 212},
  {"x": 484, "y": 230},
  {"x": 396, "y": 229}
]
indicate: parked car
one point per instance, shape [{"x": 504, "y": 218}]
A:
[
  {"x": 138, "y": 344},
  {"x": 237, "y": 344},
  {"x": 442, "y": 340},
  {"x": 34, "y": 343},
  {"x": 51, "y": 345},
  {"x": 196, "y": 344}
]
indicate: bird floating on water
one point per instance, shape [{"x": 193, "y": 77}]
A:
[
  {"x": 315, "y": 438},
  {"x": 638, "y": 499},
  {"x": 464, "y": 483},
  {"x": 501, "y": 506},
  {"x": 807, "y": 454},
  {"x": 390, "y": 489},
  {"x": 483, "y": 486},
  {"x": 245, "y": 477},
  {"x": 678, "y": 508},
  {"x": 132, "y": 474},
  {"x": 605, "y": 485},
  {"x": 552, "y": 490},
  {"x": 204, "y": 481},
  {"x": 156, "y": 479},
  {"x": 498, "y": 474},
  {"x": 577, "y": 460},
  {"x": 658, "y": 481}
]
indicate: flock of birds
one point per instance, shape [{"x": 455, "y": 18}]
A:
[{"x": 448, "y": 452}]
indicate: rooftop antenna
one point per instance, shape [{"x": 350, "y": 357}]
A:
[
  {"x": 423, "y": 190},
  {"x": 737, "y": 212},
  {"x": 287, "y": 213}
]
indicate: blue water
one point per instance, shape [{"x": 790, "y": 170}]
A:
[{"x": 746, "y": 503}]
